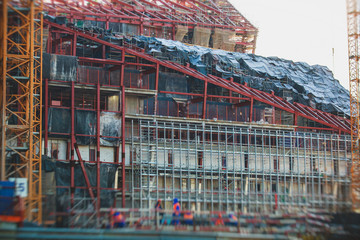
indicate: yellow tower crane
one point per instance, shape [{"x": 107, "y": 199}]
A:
[
  {"x": 20, "y": 102},
  {"x": 353, "y": 17}
]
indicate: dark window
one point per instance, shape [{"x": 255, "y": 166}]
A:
[
  {"x": 336, "y": 167},
  {"x": 132, "y": 155},
  {"x": 170, "y": 158},
  {"x": 223, "y": 161},
  {"x": 276, "y": 164},
  {"x": 55, "y": 151},
  {"x": 273, "y": 187},
  {"x": 92, "y": 155},
  {"x": 200, "y": 159},
  {"x": 246, "y": 161},
  {"x": 291, "y": 163},
  {"x": 313, "y": 165},
  {"x": 55, "y": 154}
]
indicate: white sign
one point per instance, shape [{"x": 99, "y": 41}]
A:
[{"x": 21, "y": 185}]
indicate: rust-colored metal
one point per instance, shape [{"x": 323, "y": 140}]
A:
[
  {"x": 21, "y": 89},
  {"x": 161, "y": 18},
  {"x": 354, "y": 80}
]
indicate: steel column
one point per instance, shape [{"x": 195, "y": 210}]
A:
[
  {"x": 72, "y": 143},
  {"x": 98, "y": 149},
  {"x": 204, "y": 101},
  {"x": 123, "y": 106},
  {"x": 46, "y": 119}
]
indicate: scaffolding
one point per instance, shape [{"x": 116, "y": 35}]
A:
[
  {"x": 204, "y": 144},
  {"x": 212, "y": 167},
  {"x": 21, "y": 75}
]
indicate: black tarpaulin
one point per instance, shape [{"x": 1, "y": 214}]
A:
[
  {"x": 110, "y": 126},
  {"x": 85, "y": 124},
  {"x": 298, "y": 77},
  {"x": 173, "y": 82},
  {"x": 59, "y": 120},
  {"x": 59, "y": 67},
  {"x": 63, "y": 179}
]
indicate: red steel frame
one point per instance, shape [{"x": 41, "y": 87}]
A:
[
  {"x": 160, "y": 13},
  {"x": 334, "y": 123}
]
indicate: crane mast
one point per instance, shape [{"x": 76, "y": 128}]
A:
[
  {"x": 21, "y": 31},
  {"x": 353, "y": 18}
]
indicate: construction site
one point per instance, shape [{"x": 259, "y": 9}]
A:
[{"x": 117, "y": 105}]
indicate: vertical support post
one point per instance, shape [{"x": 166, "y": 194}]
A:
[
  {"x": 156, "y": 87},
  {"x": 230, "y": 92},
  {"x": 46, "y": 111},
  {"x": 72, "y": 141},
  {"x": 251, "y": 109},
  {"x": 56, "y": 43},
  {"x": 29, "y": 108},
  {"x": 273, "y": 115},
  {"x": 117, "y": 149},
  {"x": 204, "y": 102},
  {"x": 123, "y": 144},
  {"x": 107, "y": 23},
  {"x": 295, "y": 119},
  {"x": 173, "y": 32},
  {"x": 122, "y": 130},
  {"x": 74, "y": 44},
  {"x": 49, "y": 41},
  {"x": 98, "y": 149},
  {"x": 3, "y": 88}
]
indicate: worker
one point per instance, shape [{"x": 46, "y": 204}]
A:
[
  {"x": 219, "y": 221},
  {"x": 188, "y": 218},
  {"x": 158, "y": 205},
  {"x": 176, "y": 212},
  {"x": 118, "y": 220},
  {"x": 233, "y": 221}
]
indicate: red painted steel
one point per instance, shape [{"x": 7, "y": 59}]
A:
[
  {"x": 248, "y": 94},
  {"x": 204, "y": 99},
  {"x": 88, "y": 185},
  {"x": 159, "y": 14},
  {"x": 123, "y": 145},
  {"x": 72, "y": 140},
  {"x": 319, "y": 116},
  {"x": 97, "y": 207}
]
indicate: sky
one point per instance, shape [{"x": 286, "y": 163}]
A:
[{"x": 302, "y": 31}]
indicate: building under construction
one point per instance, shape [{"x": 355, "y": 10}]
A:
[{"x": 161, "y": 99}]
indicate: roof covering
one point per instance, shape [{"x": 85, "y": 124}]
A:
[
  {"x": 313, "y": 86},
  {"x": 327, "y": 119}
]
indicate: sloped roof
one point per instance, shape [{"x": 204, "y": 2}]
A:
[{"x": 327, "y": 119}]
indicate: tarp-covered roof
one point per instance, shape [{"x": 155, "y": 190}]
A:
[{"x": 310, "y": 85}]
